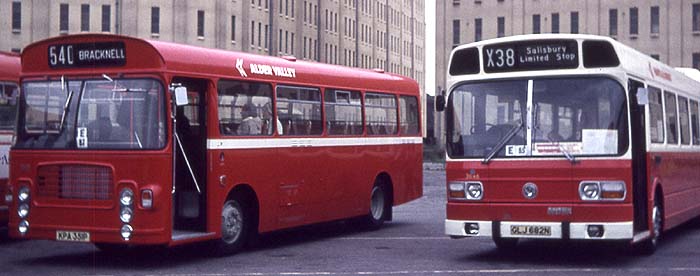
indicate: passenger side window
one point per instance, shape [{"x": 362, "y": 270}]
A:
[
  {"x": 694, "y": 122},
  {"x": 8, "y": 106},
  {"x": 656, "y": 115},
  {"x": 343, "y": 112},
  {"x": 671, "y": 118},
  {"x": 245, "y": 108},
  {"x": 409, "y": 115},
  {"x": 299, "y": 110},
  {"x": 380, "y": 114},
  {"x": 684, "y": 121}
]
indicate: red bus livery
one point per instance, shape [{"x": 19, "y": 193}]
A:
[
  {"x": 569, "y": 137},
  {"x": 124, "y": 141},
  {"x": 9, "y": 77}
]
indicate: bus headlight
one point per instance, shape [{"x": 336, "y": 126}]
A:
[
  {"x": 472, "y": 190},
  {"x": 602, "y": 190},
  {"x": 23, "y": 194},
  {"x": 126, "y": 197},
  {"x": 23, "y": 227},
  {"x": 23, "y": 210},
  {"x": 126, "y": 232},
  {"x": 126, "y": 214}
]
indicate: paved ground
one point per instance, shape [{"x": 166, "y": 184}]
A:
[{"x": 413, "y": 244}]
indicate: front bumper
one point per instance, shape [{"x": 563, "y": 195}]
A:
[{"x": 559, "y": 230}]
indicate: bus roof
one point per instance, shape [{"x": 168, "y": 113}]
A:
[
  {"x": 9, "y": 66},
  {"x": 633, "y": 62},
  {"x": 150, "y": 55}
]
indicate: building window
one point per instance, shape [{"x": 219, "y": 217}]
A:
[
  {"x": 477, "y": 29},
  {"x": 200, "y": 23},
  {"x": 655, "y": 56},
  {"x": 555, "y": 23},
  {"x": 267, "y": 27},
  {"x": 155, "y": 20},
  {"x": 106, "y": 18},
  {"x": 655, "y": 20},
  {"x": 612, "y": 22},
  {"x": 233, "y": 28},
  {"x": 574, "y": 22},
  {"x": 634, "y": 21},
  {"x": 252, "y": 33},
  {"x": 16, "y": 17},
  {"x": 84, "y": 18},
  {"x": 696, "y": 61},
  {"x": 259, "y": 34},
  {"x": 455, "y": 32},
  {"x": 696, "y": 17},
  {"x": 535, "y": 23},
  {"x": 63, "y": 18},
  {"x": 501, "y": 26}
]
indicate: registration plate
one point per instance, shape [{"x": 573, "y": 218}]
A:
[
  {"x": 531, "y": 230},
  {"x": 73, "y": 236}
]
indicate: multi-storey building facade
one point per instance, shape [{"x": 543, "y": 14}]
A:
[
  {"x": 668, "y": 30},
  {"x": 385, "y": 34}
]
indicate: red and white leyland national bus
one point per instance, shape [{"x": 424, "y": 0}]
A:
[
  {"x": 571, "y": 137},
  {"x": 124, "y": 141},
  {"x": 9, "y": 77}
]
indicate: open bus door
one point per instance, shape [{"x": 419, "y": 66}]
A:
[
  {"x": 189, "y": 176},
  {"x": 639, "y": 158}
]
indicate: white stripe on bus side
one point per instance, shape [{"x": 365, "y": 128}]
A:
[{"x": 262, "y": 143}]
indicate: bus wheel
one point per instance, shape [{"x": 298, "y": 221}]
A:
[
  {"x": 649, "y": 246},
  {"x": 234, "y": 227},
  {"x": 505, "y": 244},
  {"x": 377, "y": 207}
]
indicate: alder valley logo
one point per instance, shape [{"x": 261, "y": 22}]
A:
[{"x": 239, "y": 66}]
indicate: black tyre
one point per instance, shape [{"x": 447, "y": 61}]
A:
[
  {"x": 235, "y": 227},
  {"x": 378, "y": 207},
  {"x": 649, "y": 246},
  {"x": 505, "y": 244}
]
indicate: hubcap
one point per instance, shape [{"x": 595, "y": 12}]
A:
[
  {"x": 231, "y": 223},
  {"x": 377, "y": 205},
  {"x": 656, "y": 217}
]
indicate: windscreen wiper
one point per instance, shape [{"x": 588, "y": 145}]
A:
[
  {"x": 569, "y": 156},
  {"x": 65, "y": 105},
  {"x": 502, "y": 143}
]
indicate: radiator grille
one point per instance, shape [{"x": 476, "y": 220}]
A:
[{"x": 75, "y": 182}]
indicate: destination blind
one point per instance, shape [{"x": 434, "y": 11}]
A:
[
  {"x": 530, "y": 55},
  {"x": 99, "y": 54}
]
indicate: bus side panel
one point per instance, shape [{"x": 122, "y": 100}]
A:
[
  {"x": 408, "y": 179},
  {"x": 678, "y": 174}
]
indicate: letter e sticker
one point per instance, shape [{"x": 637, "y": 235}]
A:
[{"x": 82, "y": 138}]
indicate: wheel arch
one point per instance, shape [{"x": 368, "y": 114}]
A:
[{"x": 384, "y": 179}]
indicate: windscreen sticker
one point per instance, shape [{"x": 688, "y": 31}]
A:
[
  {"x": 516, "y": 150},
  {"x": 556, "y": 148},
  {"x": 82, "y": 138},
  {"x": 4, "y": 161},
  {"x": 599, "y": 141}
]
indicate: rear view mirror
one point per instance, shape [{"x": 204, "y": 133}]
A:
[
  {"x": 181, "y": 96},
  {"x": 440, "y": 102},
  {"x": 642, "y": 96}
]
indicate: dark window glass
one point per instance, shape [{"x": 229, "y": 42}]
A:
[
  {"x": 655, "y": 19},
  {"x": 16, "y": 16},
  {"x": 477, "y": 29},
  {"x": 408, "y": 106},
  {"x": 63, "y": 18},
  {"x": 535, "y": 23},
  {"x": 684, "y": 120},
  {"x": 694, "y": 122},
  {"x": 8, "y": 106},
  {"x": 574, "y": 22},
  {"x": 299, "y": 110},
  {"x": 634, "y": 21},
  {"x": 380, "y": 114},
  {"x": 555, "y": 23},
  {"x": 696, "y": 17},
  {"x": 233, "y": 28},
  {"x": 455, "y": 32},
  {"x": 696, "y": 60},
  {"x": 612, "y": 22},
  {"x": 501, "y": 26},
  {"x": 84, "y": 18},
  {"x": 245, "y": 108},
  {"x": 106, "y": 18},
  {"x": 671, "y": 118},
  {"x": 656, "y": 115},
  {"x": 200, "y": 23},
  {"x": 155, "y": 20},
  {"x": 343, "y": 112}
]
